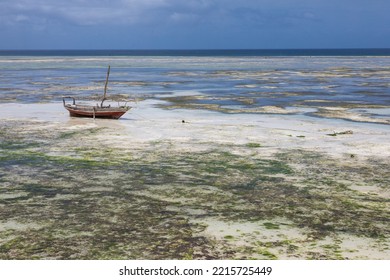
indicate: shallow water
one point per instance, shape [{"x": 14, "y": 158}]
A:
[{"x": 226, "y": 84}]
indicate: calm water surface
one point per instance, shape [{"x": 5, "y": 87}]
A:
[{"x": 240, "y": 82}]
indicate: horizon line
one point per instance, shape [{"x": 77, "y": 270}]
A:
[
  {"x": 196, "y": 49},
  {"x": 373, "y": 52}
]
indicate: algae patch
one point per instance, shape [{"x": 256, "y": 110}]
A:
[{"x": 87, "y": 199}]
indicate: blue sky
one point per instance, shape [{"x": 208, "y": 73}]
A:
[{"x": 194, "y": 24}]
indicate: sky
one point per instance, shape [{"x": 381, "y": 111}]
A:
[{"x": 194, "y": 24}]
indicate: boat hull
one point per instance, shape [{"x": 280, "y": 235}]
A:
[{"x": 96, "y": 112}]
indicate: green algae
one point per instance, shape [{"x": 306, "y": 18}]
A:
[
  {"x": 269, "y": 225},
  {"x": 100, "y": 202},
  {"x": 78, "y": 133},
  {"x": 267, "y": 254},
  {"x": 253, "y": 145}
]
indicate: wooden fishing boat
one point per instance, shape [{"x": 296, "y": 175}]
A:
[
  {"x": 107, "y": 112},
  {"x": 98, "y": 111}
]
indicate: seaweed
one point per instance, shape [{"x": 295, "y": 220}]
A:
[{"x": 95, "y": 201}]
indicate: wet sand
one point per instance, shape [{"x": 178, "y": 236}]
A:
[{"x": 216, "y": 186}]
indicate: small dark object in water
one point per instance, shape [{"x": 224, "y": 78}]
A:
[{"x": 183, "y": 121}]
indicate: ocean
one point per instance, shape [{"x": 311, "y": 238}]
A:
[
  {"x": 311, "y": 82},
  {"x": 202, "y": 52}
]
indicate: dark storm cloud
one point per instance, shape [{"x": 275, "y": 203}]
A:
[{"x": 285, "y": 23}]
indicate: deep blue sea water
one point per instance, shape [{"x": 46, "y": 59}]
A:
[
  {"x": 227, "y": 52},
  {"x": 229, "y": 80}
]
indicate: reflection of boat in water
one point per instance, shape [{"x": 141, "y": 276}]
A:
[{"x": 98, "y": 111}]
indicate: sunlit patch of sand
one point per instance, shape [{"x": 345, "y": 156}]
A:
[
  {"x": 16, "y": 225},
  {"x": 262, "y": 239},
  {"x": 345, "y": 246},
  {"x": 13, "y": 195},
  {"x": 371, "y": 190}
]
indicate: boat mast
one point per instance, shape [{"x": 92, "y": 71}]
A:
[{"x": 105, "y": 86}]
